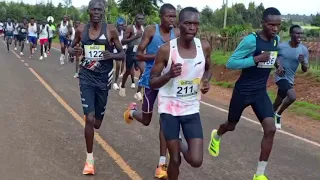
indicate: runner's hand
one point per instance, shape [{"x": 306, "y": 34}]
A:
[
  {"x": 280, "y": 71},
  {"x": 301, "y": 58},
  {"x": 175, "y": 70},
  {"x": 77, "y": 50},
  {"x": 107, "y": 55},
  {"x": 205, "y": 86},
  {"x": 139, "y": 34},
  {"x": 264, "y": 57}
]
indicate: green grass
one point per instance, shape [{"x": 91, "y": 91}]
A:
[
  {"x": 310, "y": 27},
  {"x": 222, "y": 84},
  {"x": 220, "y": 58},
  {"x": 301, "y": 108}
]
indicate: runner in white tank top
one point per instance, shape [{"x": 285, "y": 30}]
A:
[
  {"x": 182, "y": 72},
  {"x": 44, "y": 39},
  {"x": 119, "y": 64}
]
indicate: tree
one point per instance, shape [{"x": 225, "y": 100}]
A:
[
  {"x": 134, "y": 7},
  {"x": 67, "y": 4},
  {"x": 316, "y": 20}
]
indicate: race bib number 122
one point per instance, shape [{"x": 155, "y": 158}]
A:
[
  {"x": 271, "y": 62},
  {"x": 93, "y": 54},
  {"x": 188, "y": 88}
]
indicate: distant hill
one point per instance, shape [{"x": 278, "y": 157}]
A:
[{"x": 303, "y": 19}]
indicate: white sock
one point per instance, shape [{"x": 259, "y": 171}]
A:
[
  {"x": 162, "y": 160},
  {"x": 278, "y": 115},
  {"x": 261, "y": 167},
  {"x": 89, "y": 156},
  {"x": 216, "y": 136}
]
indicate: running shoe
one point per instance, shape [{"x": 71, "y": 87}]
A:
[
  {"x": 261, "y": 177},
  {"x": 89, "y": 168},
  {"x": 127, "y": 117},
  {"x": 214, "y": 145},
  {"x": 161, "y": 171}
]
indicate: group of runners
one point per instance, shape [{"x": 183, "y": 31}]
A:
[{"x": 175, "y": 69}]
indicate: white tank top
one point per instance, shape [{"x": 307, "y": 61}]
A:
[
  {"x": 43, "y": 32},
  {"x": 50, "y": 32},
  {"x": 15, "y": 32},
  {"x": 63, "y": 29},
  {"x": 10, "y": 28},
  {"x": 73, "y": 34},
  {"x": 181, "y": 95},
  {"x": 32, "y": 30},
  {"x": 120, "y": 38}
]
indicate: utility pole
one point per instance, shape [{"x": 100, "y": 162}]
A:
[{"x": 225, "y": 13}]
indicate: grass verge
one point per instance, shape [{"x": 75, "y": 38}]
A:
[{"x": 301, "y": 108}]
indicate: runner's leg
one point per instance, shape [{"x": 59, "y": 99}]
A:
[
  {"x": 144, "y": 117},
  {"x": 238, "y": 103},
  {"x": 129, "y": 65},
  {"x": 262, "y": 107},
  {"x": 88, "y": 103}
]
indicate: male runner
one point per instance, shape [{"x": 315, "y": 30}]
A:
[
  {"x": 22, "y": 35},
  {"x": 52, "y": 30},
  {"x": 15, "y": 34},
  {"x": 291, "y": 54},
  {"x": 256, "y": 56},
  {"x": 181, "y": 70},
  {"x": 9, "y": 27},
  {"x": 32, "y": 33},
  {"x": 153, "y": 37},
  {"x": 44, "y": 39},
  {"x": 1, "y": 28},
  {"x": 96, "y": 72},
  {"x": 120, "y": 64},
  {"x": 75, "y": 26},
  {"x": 64, "y": 27},
  {"x": 132, "y": 37}
]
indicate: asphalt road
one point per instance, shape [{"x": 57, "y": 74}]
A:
[{"x": 41, "y": 134}]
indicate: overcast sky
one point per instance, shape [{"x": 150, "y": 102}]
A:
[{"x": 285, "y": 6}]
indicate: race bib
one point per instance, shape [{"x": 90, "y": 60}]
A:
[
  {"x": 135, "y": 48},
  {"x": 271, "y": 62},
  {"x": 188, "y": 88},
  {"x": 93, "y": 54}
]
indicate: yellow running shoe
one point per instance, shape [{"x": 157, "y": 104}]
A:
[
  {"x": 214, "y": 145},
  {"x": 127, "y": 117},
  {"x": 89, "y": 168},
  {"x": 261, "y": 177},
  {"x": 161, "y": 171}
]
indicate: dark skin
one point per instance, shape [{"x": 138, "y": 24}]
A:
[
  {"x": 65, "y": 20},
  {"x": 119, "y": 64},
  {"x": 9, "y": 40},
  {"x": 270, "y": 27},
  {"x": 96, "y": 13},
  {"x": 189, "y": 25},
  {"x": 127, "y": 38},
  {"x": 296, "y": 36},
  {"x": 32, "y": 46},
  {"x": 168, "y": 19},
  {"x": 39, "y": 31}
]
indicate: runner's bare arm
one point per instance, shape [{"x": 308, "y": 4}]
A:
[
  {"x": 77, "y": 38},
  {"x": 115, "y": 40},
  {"x": 207, "y": 53},
  {"x": 128, "y": 37},
  {"x": 146, "y": 39},
  {"x": 156, "y": 79}
]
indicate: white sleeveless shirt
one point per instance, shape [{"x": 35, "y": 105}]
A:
[
  {"x": 120, "y": 38},
  {"x": 63, "y": 29},
  {"x": 44, "y": 32},
  {"x": 32, "y": 30},
  {"x": 181, "y": 95}
]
